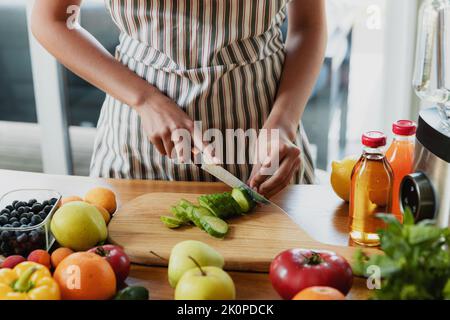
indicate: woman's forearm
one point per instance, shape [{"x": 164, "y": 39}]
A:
[
  {"x": 84, "y": 55},
  {"x": 305, "y": 50}
]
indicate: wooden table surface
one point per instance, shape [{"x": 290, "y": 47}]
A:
[{"x": 315, "y": 208}]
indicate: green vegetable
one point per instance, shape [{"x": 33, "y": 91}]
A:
[
  {"x": 171, "y": 222},
  {"x": 132, "y": 293},
  {"x": 416, "y": 260},
  {"x": 214, "y": 226},
  {"x": 180, "y": 214},
  {"x": 221, "y": 205},
  {"x": 243, "y": 199},
  {"x": 197, "y": 213}
]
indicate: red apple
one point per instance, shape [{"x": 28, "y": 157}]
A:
[
  {"x": 297, "y": 269},
  {"x": 12, "y": 261},
  {"x": 117, "y": 258}
]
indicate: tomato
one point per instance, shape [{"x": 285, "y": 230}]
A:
[
  {"x": 297, "y": 269},
  {"x": 117, "y": 258}
]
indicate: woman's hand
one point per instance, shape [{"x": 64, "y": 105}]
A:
[
  {"x": 163, "y": 120},
  {"x": 274, "y": 171}
]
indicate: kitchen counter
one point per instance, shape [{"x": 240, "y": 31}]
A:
[{"x": 315, "y": 208}]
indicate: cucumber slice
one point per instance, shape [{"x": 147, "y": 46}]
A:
[
  {"x": 243, "y": 199},
  {"x": 180, "y": 214},
  {"x": 171, "y": 222},
  {"x": 197, "y": 213},
  {"x": 214, "y": 226}
]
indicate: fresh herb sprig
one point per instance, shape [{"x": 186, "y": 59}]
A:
[{"x": 416, "y": 260}]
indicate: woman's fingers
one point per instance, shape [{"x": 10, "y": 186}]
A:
[
  {"x": 159, "y": 145},
  {"x": 281, "y": 179},
  {"x": 261, "y": 171},
  {"x": 168, "y": 144}
]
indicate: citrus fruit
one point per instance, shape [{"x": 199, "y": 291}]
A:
[
  {"x": 341, "y": 175},
  {"x": 104, "y": 212},
  {"x": 103, "y": 197},
  {"x": 85, "y": 276},
  {"x": 319, "y": 293}
]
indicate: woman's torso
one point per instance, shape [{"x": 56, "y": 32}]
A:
[{"x": 219, "y": 60}]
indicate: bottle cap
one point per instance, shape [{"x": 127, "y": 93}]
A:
[
  {"x": 374, "y": 139},
  {"x": 404, "y": 128}
]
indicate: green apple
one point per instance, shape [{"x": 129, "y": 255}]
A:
[
  {"x": 180, "y": 262},
  {"x": 205, "y": 283},
  {"x": 78, "y": 225}
]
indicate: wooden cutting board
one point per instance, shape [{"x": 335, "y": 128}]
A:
[{"x": 251, "y": 244}]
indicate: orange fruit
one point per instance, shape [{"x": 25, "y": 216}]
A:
[
  {"x": 319, "y": 293},
  {"x": 40, "y": 256},
  {"x": 66, "y": 200},
  {"x": 85, "y": 276},
  {"x": 103, "y": 197},
  {"x": 104, "y": 213},
  {"x": 59, "y": 255}
]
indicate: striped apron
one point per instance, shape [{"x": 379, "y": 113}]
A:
[{"x": 219, "y": 60}]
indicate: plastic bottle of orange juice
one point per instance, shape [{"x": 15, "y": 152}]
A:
[
  {"x": 401, "y": 158},
  {"x": 371, "y": 188}
]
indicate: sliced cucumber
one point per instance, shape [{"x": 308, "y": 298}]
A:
[
  {"x": 214, "y": 226},
  {"x": 222, "y": 205},
  {"x": 171, "y": 222},
  {"x": 197, "y": 213},
  {"x": 180, "y": 214},
  {"x": 243, "y": 199}
]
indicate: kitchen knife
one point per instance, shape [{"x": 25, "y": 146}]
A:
[{"x": 229, "y": 179}]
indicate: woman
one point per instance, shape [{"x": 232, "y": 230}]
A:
[{"x": 221, "y": 62}]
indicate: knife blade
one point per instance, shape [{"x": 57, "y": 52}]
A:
[{"x": 229, "y": 179}]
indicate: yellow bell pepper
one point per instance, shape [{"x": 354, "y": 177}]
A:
[{"x": 28, "y": 281}]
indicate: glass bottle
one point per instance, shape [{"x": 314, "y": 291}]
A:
[
  {"x": 401, "y": 158},
  {"x": 371, "y": 188}
]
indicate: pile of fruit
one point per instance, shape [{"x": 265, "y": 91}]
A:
[
  {"x": 211, "y": 212},
  {"x": 79, "y": 269},
  {"x": 20, "y": 223},
  {"x": 195, "y": 272}
]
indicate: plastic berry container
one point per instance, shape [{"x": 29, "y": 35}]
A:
[{"x": 27, "y": 207}]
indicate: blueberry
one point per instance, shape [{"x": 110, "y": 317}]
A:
[
  {"x": 3, "y": 220},
  {"x": 20, "y": 204},
  {"x": 14, "y": 203},
  {"x": 22, "y": 238},
  {"x": 5, "y": 235},
  {"x": 20, "y": 210},
  {"x": 43, "y": 215},
  {"x": 45, "y": 203},
  {"x": 7, "y": 225},
  {"x": 53, "y": 201},
  {"x": 16, "y": 224},
  {"x": 36, "y": 219},
  {"x": 10, "y": 208},
  {"x": 47, "y": 209},
  {"x": 36, "y": 207},
  {"x": 24, "y": 221},
  {"x": 5, "y": 211},
  {"x": 4, "y": 247},
  {"x": 34, "y": 236},
  {"x": 26, "y": 209},
  {"x": 14, "y": 214},
  {"x": 31, "y": 202},
  {"x": 13, "y": 219}
]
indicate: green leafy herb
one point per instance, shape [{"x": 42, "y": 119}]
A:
[{"x": 415, "y": 263}]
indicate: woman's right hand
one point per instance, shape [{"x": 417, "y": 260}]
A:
[{"x": 161, "y": 119}]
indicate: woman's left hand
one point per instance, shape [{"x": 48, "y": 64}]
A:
[{"x": 274, "y": 171}]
